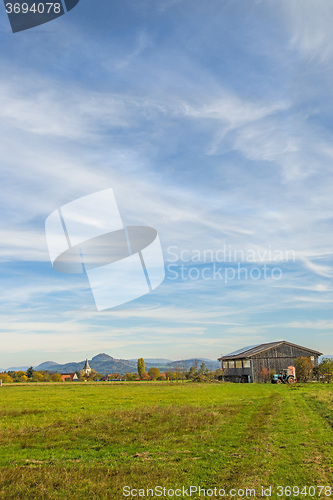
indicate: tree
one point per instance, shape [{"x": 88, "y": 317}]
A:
[
  {"x": 30, "y": 372},
  {"x": 6, "y": 379},
  {"x": 325, "y": 370},
  {"x": 129, "y": 377},
  {"x": 89, "y": 376},
  {"x": 56, "y": 377},
  {"x": 37, "y": 377},
  {"x": 169, "y": 375},
  {"x": 141, "y": 367},
  {"x": 304, "y": 369},
  {"x": 203, "y": 369},
  {"x": 265, "y": 374},
  {"x": 18, "y": 376},
  {"x": 218, "y": 374},
  {"x": 192, "y": 372},
  {"x": 154, "y": 373}
]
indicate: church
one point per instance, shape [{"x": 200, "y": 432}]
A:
[{"x": 86, "y": 369}]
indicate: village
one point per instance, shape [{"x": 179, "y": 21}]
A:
[{"x": 276, "y": 362}]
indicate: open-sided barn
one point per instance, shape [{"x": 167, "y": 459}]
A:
[{"x": 246, "y": 364}]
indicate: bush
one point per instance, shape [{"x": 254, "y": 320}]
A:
[
  {"x": 304, "y": 369},
  {"x": 6, "y": 379},
  {"x": 153, "y": 373},
  {"x": 325, "y": 370}
]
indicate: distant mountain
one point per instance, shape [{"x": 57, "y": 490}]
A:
[
  {"x": 105, "y": 364},
  {"x": 166, "y": 364},
  {"x": 187, "y": 363},
  {"x": 102, "y": 363},
  {"x": 14, "y": 369},
  {"x": 159, "y": 361},
  {"x": 46, "y": 365},
  {"x": 17, "y": 368}
]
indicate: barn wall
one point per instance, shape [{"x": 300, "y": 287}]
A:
[
  {"x": 235, "y": 374},
  {"x": 278, "y": 358}
]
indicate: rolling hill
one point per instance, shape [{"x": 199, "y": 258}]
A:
[{"x": 105, "y": 364}]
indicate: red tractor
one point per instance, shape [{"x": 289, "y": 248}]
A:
[{"x": 287, "y": 376}]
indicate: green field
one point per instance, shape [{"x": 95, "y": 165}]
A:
[{"x": 90, "y": 440}]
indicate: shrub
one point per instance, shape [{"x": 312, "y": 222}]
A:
[
  {"x": 6, "y": 379},
  {"x": 304, "y": 369},
  {"x": 325, "y": 370}
]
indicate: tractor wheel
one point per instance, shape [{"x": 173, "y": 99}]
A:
[
  {"x": 291, "y": 380},
  {"x": 279, "y": 381}
]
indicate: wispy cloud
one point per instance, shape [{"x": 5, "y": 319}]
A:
[{"x": 210, "y": 137}]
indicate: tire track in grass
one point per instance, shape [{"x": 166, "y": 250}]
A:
[
  {"x": 324, "y": 415},
  {"x": 254, "y": 459},
  {"x": 299, "y": 436},
  {"x": 320, "y": 408}
]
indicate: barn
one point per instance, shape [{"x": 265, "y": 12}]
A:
[{"x": 245, "y": 365}]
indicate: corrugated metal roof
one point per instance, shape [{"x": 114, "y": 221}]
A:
[{"x": 248, "y": 352}]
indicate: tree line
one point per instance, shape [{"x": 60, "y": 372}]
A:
[
  {"x": 177, "y": 373},
  {"x": 305, "y": 372},
  {"x": 29, "y": 376}
]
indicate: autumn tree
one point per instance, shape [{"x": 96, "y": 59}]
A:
[
  {"x": 325, "y": 370},
  {"x": 89, "y": 376},
  {"x": 37, "y": 377},
  {"x": 19, "y": 376},
  {"x": 169, "y": 375},
  {"x": 154, "y": 373},
  {"x": 265, "y": 375},
  {"x": 304, "y": 369},
  {"x": 6, "y": 379},
  {"x": 141, "y": 368}
]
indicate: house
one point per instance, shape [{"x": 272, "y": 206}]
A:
[
  {"x": 68, "y": 376},
  {"x": 245, "y": 365}
]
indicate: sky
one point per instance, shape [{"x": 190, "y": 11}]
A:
[{"x": 212, "y": 123}]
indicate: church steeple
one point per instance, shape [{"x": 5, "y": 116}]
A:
[{"x": 87, "y": 368}]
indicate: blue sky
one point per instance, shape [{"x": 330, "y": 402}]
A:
[{"x": 212, "y": 122}]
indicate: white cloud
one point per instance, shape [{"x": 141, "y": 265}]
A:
[
  {"x": 312, "y": 325},
  {"x": 310, "y": 27}
]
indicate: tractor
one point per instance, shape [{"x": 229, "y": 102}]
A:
[{"x": 287, "y": 376}]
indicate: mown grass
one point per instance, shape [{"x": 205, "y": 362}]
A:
[{"x": 70, "y": 440}]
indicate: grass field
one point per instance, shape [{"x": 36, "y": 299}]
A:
[{"x": 70, "y": 441}]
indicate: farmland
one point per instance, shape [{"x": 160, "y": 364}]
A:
[{"x": 71, "y": 440}]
